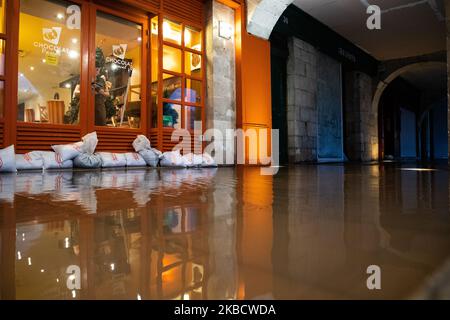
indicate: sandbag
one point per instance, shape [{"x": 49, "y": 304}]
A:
[
  {"x": 112, "y": 160},
  {"x": 88, "y": 161},
  {"x": 208, "y": 161},
  {"x": 8, "y": 160},
  {"x": 90, "y": 142},
  {"x": 141, "y": 143},
  {"x": 173, "y": 159},
  {"x": 53, "y": 160},
  {"x": 68, "y": 151},
  {"x": 135, "y": 160},
  {"x": 193, "y": 160},
  {"x": 29, "y": 161},
  {"x": 151, "y": 157}
]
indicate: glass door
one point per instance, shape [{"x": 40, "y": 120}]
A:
[{"x": 118, "y": 69}]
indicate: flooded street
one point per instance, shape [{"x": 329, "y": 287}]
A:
[{"x": 309, "y": 232}]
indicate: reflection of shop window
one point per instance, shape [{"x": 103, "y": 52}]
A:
[{"x": 177, "y": 221}]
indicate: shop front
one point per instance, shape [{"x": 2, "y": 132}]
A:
[{"x": 120, "y": 68}]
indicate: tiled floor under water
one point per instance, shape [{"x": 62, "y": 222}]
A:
[{"x": 310, "y": 232}]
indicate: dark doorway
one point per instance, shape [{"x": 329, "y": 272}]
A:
[{"x": 279, "y": 55}]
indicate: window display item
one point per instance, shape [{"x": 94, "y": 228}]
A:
[
  {"x": 141, "y": 143},
  {"x": 208, "y": 161},
  {"x": 173, "y": 159},
  {"x": 8, "y": 160},
  {"x": 193, "y": 160},
  {"x": 88, "y": 161},
  {"x": 53, "y": 160},
  {"x": 151, "y": 157},
  {"x": 68, "y": 151},
  {"x": 135, "y": 160},
  {"x": 112, "y": 160},
  {"x": 29, "y": 161}
]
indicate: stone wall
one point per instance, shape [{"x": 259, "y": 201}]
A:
[
  {"x": 361, "y": 119},
  {"x": 220, "y": 75},
  {"x": 301, "y": 105}
]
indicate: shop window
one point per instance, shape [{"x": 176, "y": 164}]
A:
[
  {"x": 193, "y": 64},
  {"x": 154, "y": 45},
  {"x": 117, "y": 85},
  {"x": 2, "y": 97},
  {"x": 172, "y": 87},
  {"x": 2, "y": 16},
  {"x": 171, "y": 115},
  {"x": 193, "y": 91},
  {"x": 172, "y": 32},
  {"x": 192, "y": 114},
  {"x": 49, "y": 62},
  {"x": 193, "y": 38},
  {"x": 172, "y": 59}
]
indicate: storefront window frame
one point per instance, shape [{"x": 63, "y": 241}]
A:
[
  {"x": 4, "y": 77},
  {"x": 184, "y": 50}
]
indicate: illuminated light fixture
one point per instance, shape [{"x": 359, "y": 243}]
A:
[
  {"x": 29, "y": 261},
  {"x": 42, "y": 270},
  {"x": 73, "y": 54},
  {"x": 19, "y": 255},
  {"x": 68, "y": 86},
  {"x": 60, "y": 16},
  {"x": 44, "y": 61},
  {"x": 32, "y": 68},
  {"x": 114, "y": 66},
  {"x": 74, "y": 40},
  {"x": 139, "y": 39},
  {"x": 225, "y": 30},
  {"x": 21, "y": 74}
]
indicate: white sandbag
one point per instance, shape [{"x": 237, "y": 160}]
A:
[
  {"x": 53, "y": 160},
  {"x": 8, "y": 160},
  {"x": 29, "y": 161},
  {"x": 90, "y": 142},
  {"x": 141, "y": 143},
  {"x": 173, "y": 159},
  {"x": 68, "y": 151},
  {"x": 208, "y": 161},
  {"x": 193, "y": 160},
  {"x": 135, "y": 160},
  {"x": 151, "y": 157},
  {"x": 112, "y": 160},
  {"x": 88, "y": 161}
]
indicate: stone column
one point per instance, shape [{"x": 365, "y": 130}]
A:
[
  {"x": 221, "y": 76},
  {"x": 302, "y": 106},
  {"x": 361, "y": 121}
]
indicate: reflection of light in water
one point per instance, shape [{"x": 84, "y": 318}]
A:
[
  {"x": 139, "y": 297},
  {"x": 29, "y": 261},
  {"x": 42, "y": 270},
  {"x": 418, "y": 169},
  {"x": 66, "y": 243},
  {"x": 113, "y": 266},
  {"x": 72, "y": 277},
  {"x": 186, "y": 296},
  {"x": 74, "y": 294},
  {"x": 19, "y": 255},
  {"x": 57, "y": 280}
]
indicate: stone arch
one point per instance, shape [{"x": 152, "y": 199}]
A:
[
  {"x": 262, "y": 15},
  {"x": 383, "y": 84}
]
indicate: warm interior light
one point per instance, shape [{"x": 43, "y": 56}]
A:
[
  {"x": 139, "y": 39},
  {"x": 170, "y": 33},
  {"x": 73, "y": 54},
  {"x": 74, "y": 40},
  {"x": 32, "y": 68},
  {"x": 68, "y": 86},
  {"x": 60, "y": 16},
  {"x": 187, "y": 36}
]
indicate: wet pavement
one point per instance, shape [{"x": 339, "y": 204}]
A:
[{"x": 309, "y": 232}]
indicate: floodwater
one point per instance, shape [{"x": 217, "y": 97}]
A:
[{"x": 310, "y": 232}]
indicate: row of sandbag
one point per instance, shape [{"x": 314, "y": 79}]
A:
[{"x": 82, "y": 155}]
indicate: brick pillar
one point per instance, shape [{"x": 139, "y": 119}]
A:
[{"x": 302, "y": 106}]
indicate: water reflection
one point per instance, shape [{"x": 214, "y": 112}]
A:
[{"x": 309, "y": 232}]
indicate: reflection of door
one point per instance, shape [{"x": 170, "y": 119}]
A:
[
  {"x": 329, "y": 108},
  {"x": 279, "y": 101}
]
